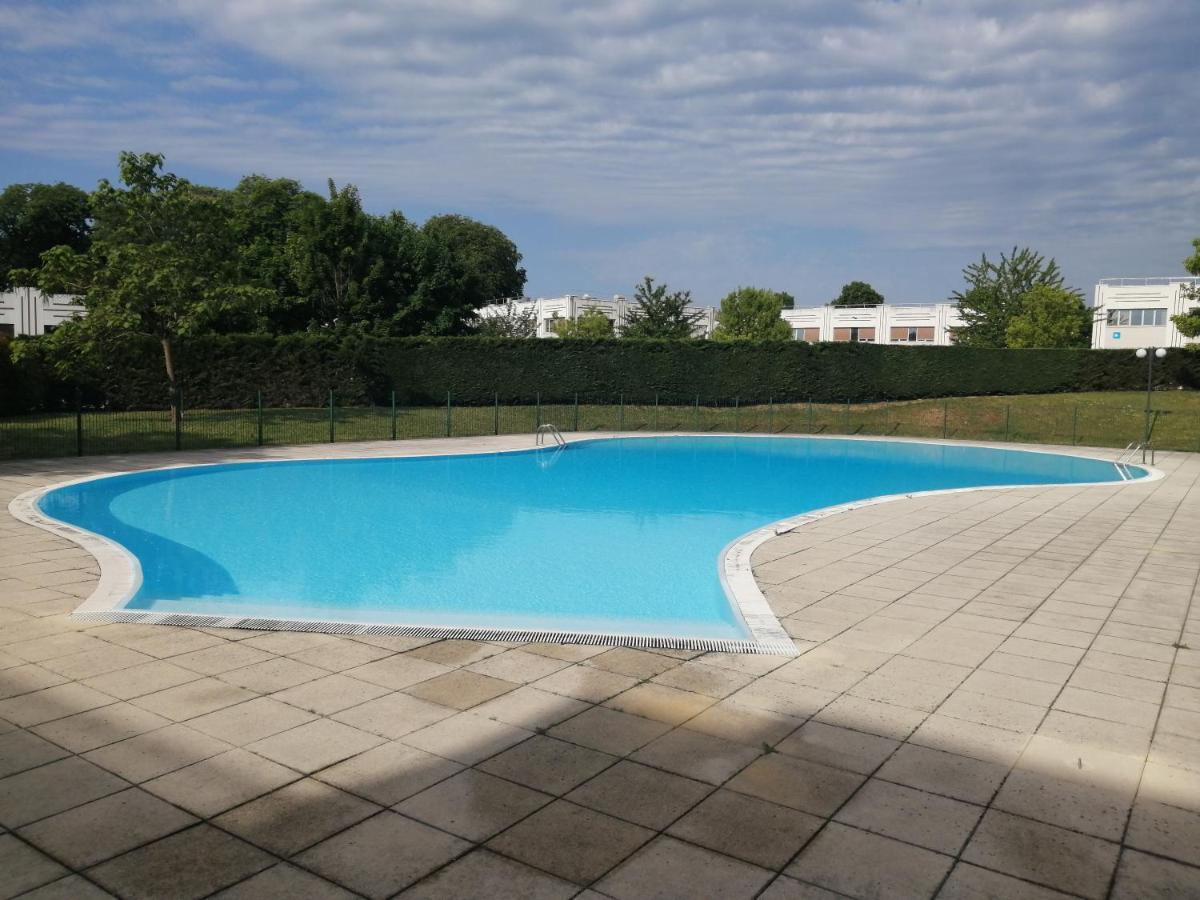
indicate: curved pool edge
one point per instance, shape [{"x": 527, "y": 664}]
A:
[{"x": 120, "y": 570}]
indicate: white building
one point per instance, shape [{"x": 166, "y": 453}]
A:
[
  {"x": 1136, "y": 312},
  {"x": 572, "y": 306},
  {"x": 889, "y": 323},
  {"x": 27, "y": 311}
]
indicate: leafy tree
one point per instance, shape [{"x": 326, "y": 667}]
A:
[
  {"x": 161, "y": 261},
  {"x": 490, "y": 261},
  {"x": 858, "y": 293},
  {"x": 659, "y": 314},
  {"x": 1188, "y": 323},
  {"x": 752, "y": 313},
  {"x": 1050, "y": 317},
  {"x": 515, "y": 321},
  {"x": 591, "y": 323},
  {"x": 994, "y": 294},
  {"x": 37, "y": 217}
]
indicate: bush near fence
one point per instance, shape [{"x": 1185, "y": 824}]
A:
[{"x": 226, "y": 372}]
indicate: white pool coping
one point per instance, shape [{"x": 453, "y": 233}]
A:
[{"x": 121, "y": 574}]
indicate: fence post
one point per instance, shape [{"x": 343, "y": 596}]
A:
[
  {"x": 737, "y": 415},
  {"x": 621, "y": 413},
  {"x": 332, "y": 433},
  {"x": 178, "y": 416},
  {"x": 887, "y": 418},
  {"x": 260, "y": 419},
  {"x": 78, "y": 422},
  {"x": 576, "y": 410},
  {"x": 810, "y": 416},
  {"x": 771, "y": 415},
  {"x": 496, "y": 415},
  {"x": 538, "y": 413},
  {"x": 393, "y": 415},
  {"x": 945, "y": 414},
  {"x": 846, "y": 417},
  {"x": 656, "y": 410},
  {"x": 1007, "y": 421},
  {"x": 696, "y": 416},
  {"x": 1075, "y": 425},
  {"x": 449, "y": 420}
]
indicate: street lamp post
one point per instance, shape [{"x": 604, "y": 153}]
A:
[{"x": 1149, "y": 354}]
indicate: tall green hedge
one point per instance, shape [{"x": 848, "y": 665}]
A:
[{"x": 300, "y": 370}]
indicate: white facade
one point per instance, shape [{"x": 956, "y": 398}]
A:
[
  {"x": 572, "y": 306},
  {"x": 1136, "y": 312},
  {"x": 27, "y": 311},
  {"x": 918, "y": 324}
]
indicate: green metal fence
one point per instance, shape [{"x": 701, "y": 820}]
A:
[{"x": 83, "y": 431}]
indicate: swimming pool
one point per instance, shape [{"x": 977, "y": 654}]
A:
[{"x": 620, "y": 536}]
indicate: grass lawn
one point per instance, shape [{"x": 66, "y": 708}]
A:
[{"x": 1088, "y": 419}]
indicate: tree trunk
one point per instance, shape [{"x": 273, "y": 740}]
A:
[{"x": 169, "y": 362}]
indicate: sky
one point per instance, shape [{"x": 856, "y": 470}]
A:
[{"x": 789, "y": 144}]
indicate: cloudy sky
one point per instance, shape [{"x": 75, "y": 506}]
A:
[{"x": 793, "y": 144}]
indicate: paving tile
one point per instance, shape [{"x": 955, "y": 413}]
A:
[
  {"x": 149, "y": 755},
  {"x": 785, "y": 888},
  {"x": 750, "y": 829},
  {"x": 251, "y": 721},
  {"x": 948, "y": 774},
  {"x": 388, "y": 773},
  {"x": 996, "y": 712},
  {"x": 73, "y": 887},
  {"x": 670, "y": 868},
  {"x": 839, "y": 747},
  {"x": 22, "y": 868},
  {"x": 21, "y": 750},
  {"x": 460, "y": 689},
  {"x": 1141, "y": 876},
  {"x": 329, "y": 695},
  {"x": 296, "y": 816},
  {"x": 639, "y": 794},
  {"x": 457, "y": 653},
  {"x": 49, "y": 789},
  {"x": 1107, "y": 706},
  {"x": 884, "y": 719},
  {"x": 186, "y": 865},
  {"x": 221, "y": 658},
  {"x": 783, "y": 698},
  {"x": 284, "y": 643},
  {"x": 51, "y": 703},
  {"x": 482, "y": 873},
  {"x": 392, "y": 716},
  {"x": 1171, "y": 785},
  {"x": 571, "y": 842},
  {"x": 907, "y": 814},
  {"x": 609, "y": 730},
  {"x": 585, "y": 683},
  {"x": 695, "y": 755},
  {"x": 547, "y": 764},
  {"x": 104, "y": 828},
  {"x": 732, "y": 721},
  {"x": 284, "y": 882},
  {"x": 637, "y": 664},
  {"x": 100, "y": 661},
  {"x": 895, "y": 870},
  {"x": 517, "y": 666},
  {"x": 186, "y": 701},
  {"x": 473, "y": 804},
  {"x": 797, "y": 783},
  {"x": 315, "y": 745},
  {"x": 337, "y": 656},
  {"x": 531, "y": 708},
  {"x": 98, "y": 727},
  {"x": 272, "y": 675},
  {"x": 1165, "y": 831},
  {"x": 968, "y": 882},
  {"x": 1042, "y": 853},
  {"x": 1115, "y": 736},
  {"x": 27, "y": 678},
  {"x": 142, "y": 679},
  {"x": 364, "y": 857},
  {"x": 397, "y": 672},
  {"x": 711, "y": 681},
  {"x": 466, "y": 738},
  {"x": 220, "y": 782},
  {"x": 169, "y": 641}
]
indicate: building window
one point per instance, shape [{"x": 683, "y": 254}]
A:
[
  {"x": 47, "y": 329},
  {"x": 854, "y": 335},
  {"x": 7, "y": 330},
  {"x": 808, "y": 335},
  {"x": 912, "y": 334},
  {"x": 548, "y": 324},
  {"x": 1133, "y": 317}
]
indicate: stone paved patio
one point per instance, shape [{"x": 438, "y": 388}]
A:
[{"x": 999, "y": 697}]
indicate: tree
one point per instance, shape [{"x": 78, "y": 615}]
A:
[
  {"x": 514, "y": 322},
  {"x": 752, "y": 313},
  {"x": 37, "y": 217},
  {"x": 161, "y": 261},
  {"x": 858, "y": 293},
  {"x": 490, "y": 261},
  {"x": 659, "y": 314},
  {"x": 591, "y": 323},
  {"x": 1050, "y": 317},
  {"x": 994, "y": 294},
  {"x": 1188, "y": 323}
]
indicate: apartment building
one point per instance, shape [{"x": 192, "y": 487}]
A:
[
  {"x": 27, "y": 311},
  {"x": 547, "y": 310},
  {"x": 1136, "y": 312},
  {"x": 891, "y": 323}
]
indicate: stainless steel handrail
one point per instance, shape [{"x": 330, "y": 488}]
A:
[{"x": 552, "y": 430}]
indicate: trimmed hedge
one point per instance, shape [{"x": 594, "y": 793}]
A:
[{"x": 299, "y": 370}]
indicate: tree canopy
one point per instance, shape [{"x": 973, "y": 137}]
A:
[
  {"x": 751, "y": 313},
  {"x": 658, "y": 313},
  {"x": 515, "y": 322},
  {"x": 35, "y": 218},
  {"x": 995, "y": 293},
  {"x": 591, "y": 323},
  {"x": 858, "y": 293},
  {"x": 1050, "y": 317},
  {"x": 491, "y": 262},
  {"x": 1188, "y": 323}
]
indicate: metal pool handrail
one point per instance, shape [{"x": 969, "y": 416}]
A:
[{"x": 552, "y": 430}]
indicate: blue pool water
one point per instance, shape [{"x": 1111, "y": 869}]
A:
[{"x": 616, "y": 536}]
